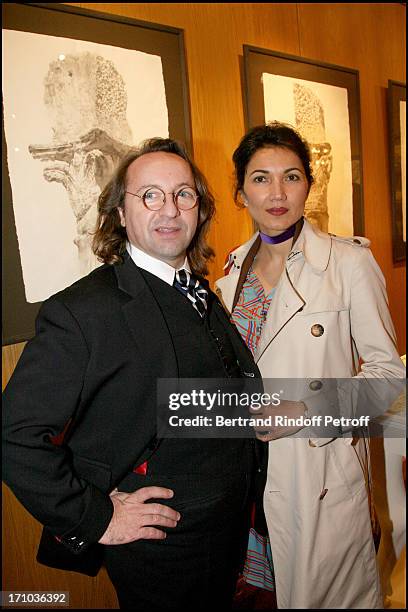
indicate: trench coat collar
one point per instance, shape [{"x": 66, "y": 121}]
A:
[{"x": 314, "y": 244}]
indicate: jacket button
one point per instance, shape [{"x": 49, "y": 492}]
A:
[
  {"x": 317, "y": 330},
  {"x": 315, "y": 385}
]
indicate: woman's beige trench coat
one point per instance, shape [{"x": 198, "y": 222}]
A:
[{"x": 321, "y": 542}]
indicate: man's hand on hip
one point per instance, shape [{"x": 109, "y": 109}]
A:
[{"x": 133, "y": 519}]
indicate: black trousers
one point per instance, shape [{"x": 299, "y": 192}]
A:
[{"x": 196, "y": 567}]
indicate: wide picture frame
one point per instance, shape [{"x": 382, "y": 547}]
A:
[
  {"x": 397, "y": 97},
  {"x": 322, "y": 102},
  {"x": 80, "y": 89}
]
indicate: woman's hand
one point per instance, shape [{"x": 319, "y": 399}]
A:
[{"x": 280, "y": 428}]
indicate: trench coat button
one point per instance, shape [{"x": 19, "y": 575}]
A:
[
  {"x": 315, "y": 385},
  {"x": 317, "y": 330}
]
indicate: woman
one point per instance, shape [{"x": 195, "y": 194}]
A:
[{"x": 309, "y": 305}]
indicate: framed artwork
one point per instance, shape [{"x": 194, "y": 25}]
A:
[
  {"x": 322, "y": 102},
  {"x": 80, "y": 88},
  {"x": 397, "y": 108}
]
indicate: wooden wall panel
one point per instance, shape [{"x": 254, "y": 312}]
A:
[
  {"x": 369, "y": 37},
  {"x": 11, "y": 354}
]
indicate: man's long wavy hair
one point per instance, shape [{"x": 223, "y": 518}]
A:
[{"x": 109, "y": 242}]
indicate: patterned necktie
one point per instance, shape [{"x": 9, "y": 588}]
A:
[{"x": 191, "y": 288}]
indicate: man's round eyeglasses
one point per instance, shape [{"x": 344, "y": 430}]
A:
[{"x": 154, "y": 198}]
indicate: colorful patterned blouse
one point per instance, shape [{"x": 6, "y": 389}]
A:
[
  {"x": 249, "y": 317},
  {"x": 250, "y": 312}
]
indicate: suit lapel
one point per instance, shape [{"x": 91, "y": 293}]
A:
[{"x": 146, "y": 322}]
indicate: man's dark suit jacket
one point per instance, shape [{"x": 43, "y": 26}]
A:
[{"x": 100, "y": 346}]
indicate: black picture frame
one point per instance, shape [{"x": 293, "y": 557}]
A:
[
  {"x": 257, "y": 61},
  {"x": 88, "y": 25},
  {"x": 396, "y": 93}
]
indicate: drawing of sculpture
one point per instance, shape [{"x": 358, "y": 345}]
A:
[
  {"x": 309, "y": 120},
  {"x": 86, "y": 99}
]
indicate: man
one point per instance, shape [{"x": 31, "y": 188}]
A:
[{"x": 169, "y": 518}]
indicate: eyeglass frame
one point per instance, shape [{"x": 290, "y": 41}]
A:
[{"x": 173, "y": 193}]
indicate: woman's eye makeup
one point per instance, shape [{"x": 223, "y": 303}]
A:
[{"x": 290, "y": 178}]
